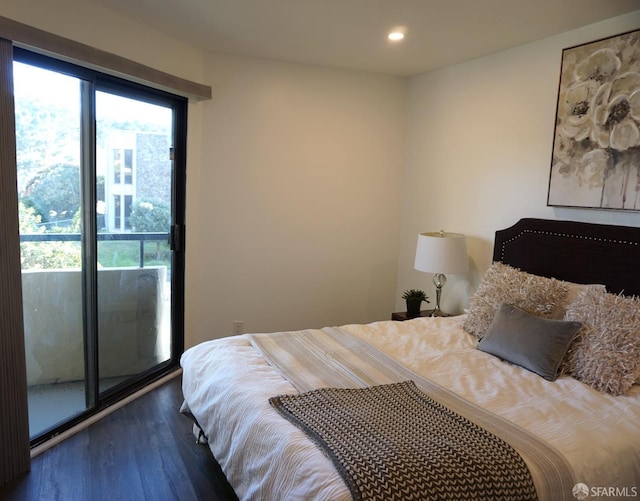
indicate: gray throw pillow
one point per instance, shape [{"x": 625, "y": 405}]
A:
[{"x": 534, "y": 343}]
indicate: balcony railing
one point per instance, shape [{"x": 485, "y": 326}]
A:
[{"x": 102, "y": 237}]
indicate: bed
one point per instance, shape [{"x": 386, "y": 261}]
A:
[{"x": 543, "y": 367}]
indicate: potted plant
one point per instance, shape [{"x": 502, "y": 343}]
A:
[{"x": 414, "y": 299}]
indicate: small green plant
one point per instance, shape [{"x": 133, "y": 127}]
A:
[
  {"x": 414, "y": 298},
  {"x": 415, "y": 295}
]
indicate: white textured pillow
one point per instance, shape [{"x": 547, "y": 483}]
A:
[
  {"x": 501, "y": 283},
  {"x": 574, "y": 290},
  {"x": 606, "y": 352}
]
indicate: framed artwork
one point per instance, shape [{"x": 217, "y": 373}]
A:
[{"x": 596, "y": 146}]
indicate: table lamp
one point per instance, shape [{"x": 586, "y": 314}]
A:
[{"x": 440, "y": 253}]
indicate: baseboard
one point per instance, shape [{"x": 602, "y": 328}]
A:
[{"x": 105, "y": 412}]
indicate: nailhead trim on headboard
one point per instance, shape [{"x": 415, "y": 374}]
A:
[{"x": 564, "y": 235}]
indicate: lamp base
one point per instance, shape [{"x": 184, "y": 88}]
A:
[
  {"x": 437, "y": 312},
  {"x": 438, "y": 280}
]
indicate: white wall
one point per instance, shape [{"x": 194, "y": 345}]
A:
[
  {"x": 479, "y": 141},
  {"x": 298, "y": 198}
]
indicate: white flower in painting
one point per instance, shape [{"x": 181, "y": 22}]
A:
[
  {"x": 577, "y": 108},
  {"x": 599, "y": 66},
  {"x": 146, "y": 205},
  {"x": 616, "y": 113},
  {"x": 591, "y": 168}
]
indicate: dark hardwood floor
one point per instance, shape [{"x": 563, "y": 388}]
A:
[{"x": 143, "y": 451}]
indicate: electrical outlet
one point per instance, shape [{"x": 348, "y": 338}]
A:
[{"x": 238, "y": 327}]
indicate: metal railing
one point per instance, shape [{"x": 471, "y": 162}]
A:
[{"x": 102, "y": 237}]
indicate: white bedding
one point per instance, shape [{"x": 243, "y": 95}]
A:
[{"x": 227, "y": 385}]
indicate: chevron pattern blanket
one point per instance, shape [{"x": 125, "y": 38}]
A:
[{"x": 393, "y": 442}]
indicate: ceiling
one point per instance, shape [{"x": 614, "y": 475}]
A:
[{"x": 353, "y": 33}]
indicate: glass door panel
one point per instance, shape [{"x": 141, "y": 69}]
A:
[
  {"x": 134, "y": 180},
  {"x": 49, "y": 192}
]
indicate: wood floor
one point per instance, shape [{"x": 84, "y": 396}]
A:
[{"x": 143, "y": 451}]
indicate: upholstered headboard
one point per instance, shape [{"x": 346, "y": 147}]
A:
[{"x": 584, "y": 253}]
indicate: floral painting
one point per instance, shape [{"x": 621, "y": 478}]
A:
[{"x": 596, "y": 149}]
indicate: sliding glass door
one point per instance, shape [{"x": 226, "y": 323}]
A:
[
  {"x": 101, "y": 203},
  {"x": 134, "y": 213},
  {"x": 48, "y": 156}
]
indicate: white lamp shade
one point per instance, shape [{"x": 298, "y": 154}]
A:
[{"x": 441, "y": 252}]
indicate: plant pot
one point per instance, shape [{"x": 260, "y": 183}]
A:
[{"x": 413, "y": 307}]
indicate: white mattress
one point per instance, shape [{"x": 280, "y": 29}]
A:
[{"x": 227, "y": 385}]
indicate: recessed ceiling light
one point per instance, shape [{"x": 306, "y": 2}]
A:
[{"x": 396, "y": 36}]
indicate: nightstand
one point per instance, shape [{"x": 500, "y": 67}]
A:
[{"x": 401, "y": 316}]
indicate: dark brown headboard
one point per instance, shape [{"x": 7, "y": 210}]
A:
[{"x": 584, "y": 253}]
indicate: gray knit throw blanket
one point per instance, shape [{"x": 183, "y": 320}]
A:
[{"x": 393, "y": 442}]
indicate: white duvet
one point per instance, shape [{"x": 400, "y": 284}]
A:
[{"x": 227, "y": 384}]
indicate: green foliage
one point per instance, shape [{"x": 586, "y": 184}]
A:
[
  {"x": 76, "y": 223},
  {"x": 54, "y": 193},
  {"x": 30, "y": 222},
  {"x": 44, "y": 255},
  {"x": 415, "y": 295},
  {"x": 50, "y": 255},
  {"x": 150, "y": 216},
  {"x": 46, "y": 134}
]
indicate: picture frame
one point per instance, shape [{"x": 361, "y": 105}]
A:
[{"x": 596, "y": 145}]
